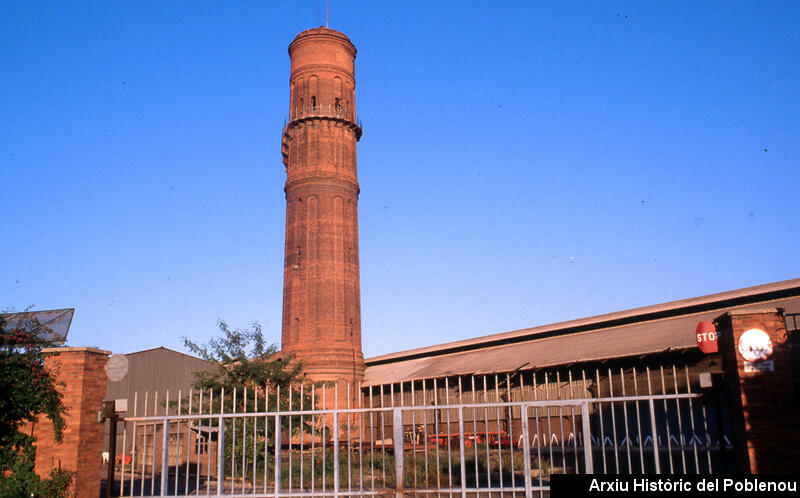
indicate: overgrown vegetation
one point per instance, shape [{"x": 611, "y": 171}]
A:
[
  {"x": 27, "y": 390},
  {"x": 254, "y": 377}
]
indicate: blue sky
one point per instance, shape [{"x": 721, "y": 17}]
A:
[{"x": 521, "y": 164}]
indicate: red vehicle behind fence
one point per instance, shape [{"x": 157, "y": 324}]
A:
[{"x": 493, "y": 439}]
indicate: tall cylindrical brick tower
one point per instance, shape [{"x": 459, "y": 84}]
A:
[{"x": 321, "y": 291}]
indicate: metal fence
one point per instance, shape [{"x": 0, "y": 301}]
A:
[{"x": 436, "y": 440}]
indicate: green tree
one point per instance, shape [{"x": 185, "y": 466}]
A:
[
  {"x": 251, "y": 376},
  {"x": 244, "y": 360},
  {"x": 27, "y": 390}
]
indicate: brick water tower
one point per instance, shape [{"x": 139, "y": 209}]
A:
[{"x": 321, "y": 290}]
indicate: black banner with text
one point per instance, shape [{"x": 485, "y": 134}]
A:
[{"x": 595, "y": 486}]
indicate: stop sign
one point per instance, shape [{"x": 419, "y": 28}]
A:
[{"x": 707, "y": 337}]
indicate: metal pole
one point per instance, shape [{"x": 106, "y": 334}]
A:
[
  {"x": 654, "y": 433},
  {"x": 587, "y": 439},
  {"x": 278, "y": 450},
  {"x": 112, "y": 450},
  {"x": 526, "y": 449},
  {"x": 164, "y": 457},
  {"x": 336, "y": 450},
  {"x": 220, "y": 455},
  {"x": 397, "y": 443},
  {"x": 461, "y": 449}
]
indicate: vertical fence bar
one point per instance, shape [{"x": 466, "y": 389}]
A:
[
  {"x": 122, "y": 463},
  {"x": 437, "y": 433},
  {"x": 538, "y": 432},
  {"x": 313, "y": 436},
  {"x": 178, "y": 443},
  {"x": 164, "y": 456},
  {"x": 549, "y": 424},
  {"x": 449, "y": 449},
  {"x": 371, "y": 443},
  {"x": 708, "y": 436},
  {"x": 625, "y": 415},
  {"x": 588, "y": 457},
  {"x": 653, "y": 427},
  {"x": 681, "y": 437},
  {"x": 197, "y": 444},
  {"x": 233, "y": 443},
  {"x": 244, "y": 441},
  {"x": 499, "y": 433},
  {"x": 414, "y": 433},
  {"x": 425, "y": 427},
  {"x": 691, "y": 420},
  {"x": 399, "y": 453},
  {"x": 278, "y": 451},
  {"x": 289, "y": 435},
  {"x": 383, "y": 439},
  {"x": 600, "y": 417},
  {"x": 153, "y": 461},
  {"x": 324, "y": 442},
  {"x": 208, "y": 436},
  {"x": 360, "y": 441},
  {"x": 560, "y": 424},
  {"x": 336, "y": 435},
  {"x": 526, "y": 449},
  {"x": 336, "y": 449},
  {"x": 144, "y": 445},
  {"x": 266, "y": 437},
  {"x": 133, "y": 444},
  {"x": 302, "y": 437},
  {"x": 349, "y": 440},
  {"x": 654, "y": 432},
  {"x": 613, "y": 420},
  {"x": 462, "y": 452},
  {"x": 638, "y": 421},
  {"x": 511, "y": 433},
  {"x": 255, "y": 433},
  {"x": 220, "y": 456},
  {"x": 475, "y": 431},
  {"x": 666, "y": 422},
  {"x": 574, "y": 429}
]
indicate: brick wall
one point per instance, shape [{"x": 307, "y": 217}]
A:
[
  {"x": 82, "y": 370},
  {"x": 764, "y": 409}
]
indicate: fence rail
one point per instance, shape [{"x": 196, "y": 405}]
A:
[{"x": 273, "y": 442}]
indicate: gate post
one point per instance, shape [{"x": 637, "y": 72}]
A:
[
  {"x": 765, "y": 417},
  {"x": 399, "y": 450},
  {"x": 588, "y": 457},
  {"x": 220, "y": 456},
  {"x": 81, "y": 370},
  {"x": 164, "y": 457},
  {"x": 526, "y": 450}
]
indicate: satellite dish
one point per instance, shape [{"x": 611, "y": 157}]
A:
[{"x": 117, "y": 367}]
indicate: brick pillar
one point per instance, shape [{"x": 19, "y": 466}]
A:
[
  {"x": 765, "y": 418},
  {"x": 82, "y": 370}
]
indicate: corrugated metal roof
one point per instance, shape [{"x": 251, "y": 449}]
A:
[
  {"x": 713, "y": 301},
  {"x": 582, "y": 340}
]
